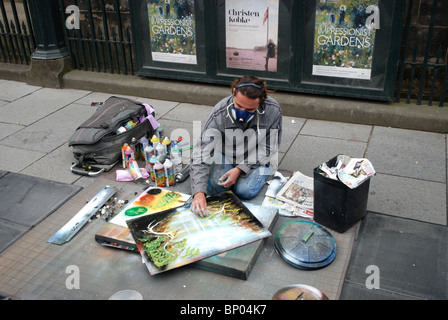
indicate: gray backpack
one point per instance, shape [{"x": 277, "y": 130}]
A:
[{"x": 97, "y": 142}]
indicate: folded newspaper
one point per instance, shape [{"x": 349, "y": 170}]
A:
[
  {"x": 350, "y": 171},
  {"x": 288, "y": 209},
  {"x": 298, "y": 191}
]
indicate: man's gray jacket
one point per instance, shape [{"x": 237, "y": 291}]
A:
[{"x": 245, "y": 146}]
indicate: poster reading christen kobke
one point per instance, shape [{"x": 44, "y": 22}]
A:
[
  {"x": 344, "y": 39},
  {"x": 252, "y": 34},
  {"x": 173, "y": 31}
]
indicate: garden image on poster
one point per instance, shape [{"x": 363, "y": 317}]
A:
[
  {"x": 252, "y": 34},
  {"x": 173, "y": 31},
  {"x": 176, "y": 237},
  {"x": 344, "y": 39}
]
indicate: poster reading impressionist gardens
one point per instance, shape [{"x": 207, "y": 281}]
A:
[
  {"x": 173, "y": 31},
  {"x": 252, "y": 34},
  {"x": 344, "y": 39}
]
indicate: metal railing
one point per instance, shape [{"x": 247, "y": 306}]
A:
[
  {"x": 423, "y": 77},
  {"x": 17, "y": 41},
  {"x": 103, "y": 43}
]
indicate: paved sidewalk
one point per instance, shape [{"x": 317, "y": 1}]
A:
[{"x": 35, "y": 124}]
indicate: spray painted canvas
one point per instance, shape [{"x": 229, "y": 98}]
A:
[
  {"x": 116, "y": 233},
  {"x": 177, "y": 237},
  {"x": 151, "y": 201}
]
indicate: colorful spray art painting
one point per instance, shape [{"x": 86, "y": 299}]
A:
[
  {"x": 116, "y": 233},
  {"x": 178, "y": 237},
  {"x": 151, "y": 201}
]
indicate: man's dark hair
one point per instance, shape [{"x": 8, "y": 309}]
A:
[{"x": 251, "y": 87}]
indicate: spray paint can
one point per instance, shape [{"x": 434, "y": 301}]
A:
[
  {"x": 183, "y": 175},
  {"x": 150, "y": 167},
  {"x": 130, "y": 125},
  {"x": 154, "y": 141},
  {"x": 134, "y": 146},
  {"x": 176, "y": 158},
  {"x": 149, "y": 152},
  {"x": 121, "y": 130},
  {"x": 135, "y": 169},
  {"x": 123, "y": 150},
  {"x": 159, "y": 172},
  {"x": 160, "y": 150},
  {"x": 126, "y": 127},
  {"x": 128, "y": 155},
  {"x": 143, "y": 143},
  {"x": 167, "y": 145},
  {"x": 169, "y": 172}
]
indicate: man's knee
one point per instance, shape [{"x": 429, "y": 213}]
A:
[{"x": 246, "y": 191}]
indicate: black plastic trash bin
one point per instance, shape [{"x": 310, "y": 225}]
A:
[{"x": 336, "y": 206}]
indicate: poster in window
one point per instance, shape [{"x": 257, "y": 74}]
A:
[
  {"x": 252, "y": 34},
  {"x": 172, "y": 30},
  {"x": 344, "y": 38}
]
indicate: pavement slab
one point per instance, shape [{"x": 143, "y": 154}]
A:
[
  {"x": 409, "y": 258},
  {"x": 408, "y": 153},
  {"x": 33, "y": 107},
  {"x": 336, "y": 130},
  {"x": 16, "y": 159},
  {"x": 408, "y": 198},
  {"x": 13, "y": 90},
  {"x": 54, "y": 166},
  {"x": 7, "y": 129},
  {"x": 308, "y": 152},
  {"x": 49, "y": 133}
]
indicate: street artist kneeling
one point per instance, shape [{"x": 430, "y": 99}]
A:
[{"x": 238, "y": 147}]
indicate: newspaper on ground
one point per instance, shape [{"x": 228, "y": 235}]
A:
[
  {"x": 285, "y": 209},
  {"x": 275, "y": 185},
  {"x": 350, "y": 171},
  {"x": 298, "y": 191}
]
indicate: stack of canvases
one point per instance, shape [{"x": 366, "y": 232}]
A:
[{"x": 159, "y": 224}]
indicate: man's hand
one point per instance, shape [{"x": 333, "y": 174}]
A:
[
  {"x": 230, "y": 177},
  {"x": 199, "y": 205}
]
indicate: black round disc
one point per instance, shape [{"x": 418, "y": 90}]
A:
[{"x": 305, "y": 245}]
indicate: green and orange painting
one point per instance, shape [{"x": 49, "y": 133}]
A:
[
  {"x": 177, "y": 237},
  {"x": 150, "y": 201}
]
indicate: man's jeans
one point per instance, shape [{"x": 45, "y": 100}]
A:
[{"x": 245, "y": 187}]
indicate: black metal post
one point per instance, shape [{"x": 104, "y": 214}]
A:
[
  {"x": 50, "y": 60},
  {"x": 49, "y": 36}
]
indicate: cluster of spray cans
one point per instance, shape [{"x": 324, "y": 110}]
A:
[{"x": 163, "y": 159}]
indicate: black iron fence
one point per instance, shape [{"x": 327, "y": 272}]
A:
[
  {"x": 104, "y": 43},
  {"x": 423, "y": 69},
  {"x": 16, "y": 33}
]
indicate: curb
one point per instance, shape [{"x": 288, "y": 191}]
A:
[{"x": 396, "y": 115}]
